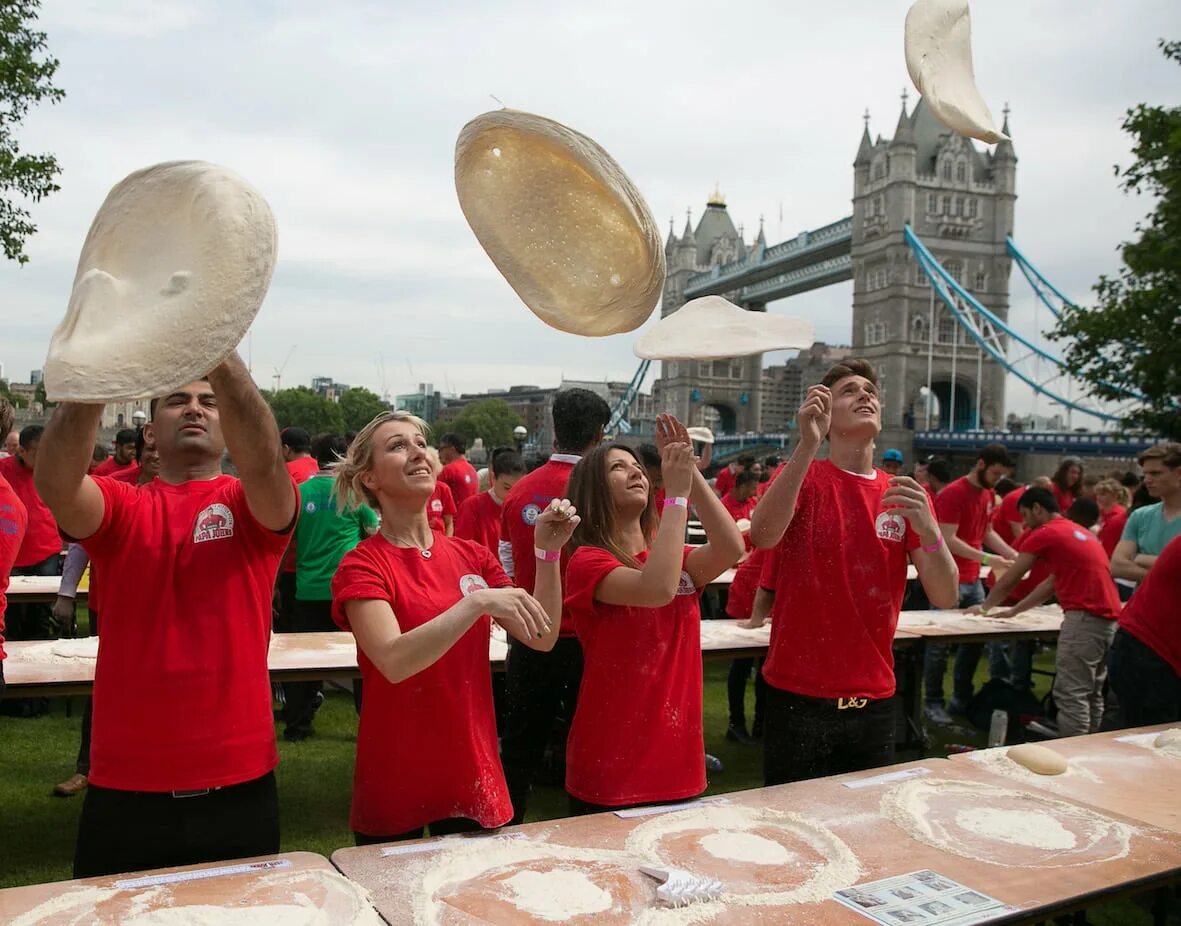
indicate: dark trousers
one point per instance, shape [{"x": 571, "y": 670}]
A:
[
  {"x": 540, "y": 689},
  {"x": 136, "y": 830},
  {"x": 33, "y": 621},
  {"x": 736, "y": 691},
  {"x": 813, "y": 737},
  {"x": 82, "y": 765},
  {"x": 1147, "y": 688},
  {"x": 299, "y": 698},
  {"x": 283, "y": 611},
  {"x": 448, "y": 827}
]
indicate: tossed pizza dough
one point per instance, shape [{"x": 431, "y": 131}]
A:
[
  {"x": 711, "y": 328},
  {"x": 172, "y": 273},
  {"x": 939, "y": 59},
  {"x": 1038, "y": 759},
  {"x": 561, "y": 221},
  {"x": 701, "y": 434}
]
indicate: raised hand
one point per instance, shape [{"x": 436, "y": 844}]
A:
[
  {"x": 815, "y": 415},
  {"x": 677, "y": 468},
  {"x": 670, "y": 431},
  {"x": 909, "y": 499},
  {"x": 555, "y": 525},
  {"x": 514, "y": 609}
]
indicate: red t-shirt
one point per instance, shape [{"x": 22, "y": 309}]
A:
[
  {"x": 740, "y": 599},
  {"x": 301, "y": 469},
  {"x": 724, "y": 481},
  {"x": 42, "y": 539},
  {"x": 1151, "y": 614},
  {"x": 439, "y": 505},
  {"x": 426, "y": 747},
  {"x": 182, "y": 696},
  {"x": 1111, "y": 528},
  {"x": 839, "y": 574},
  {"x": 13, "y": 521},
  {"x": 1081, "y": 570},
  {"x": 737, "y": 509},
  {"x": 110, "y": 467},
  {"x": 528, "y": 498},
  {"x": 127, "y": 474},
  {"x": 1064, "y": 497},
  {"x": 1006, "y": 514},
  {"x": 479, "y": 520},
  {"x": 1035, "y": 577},
  {"x": 461, "y": 478},
  {"x": 637, "y": 730},
  {"x": 968, "y": 507}
]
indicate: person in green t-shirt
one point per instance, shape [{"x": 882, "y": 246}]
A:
[{"x": 323, "y": 535}]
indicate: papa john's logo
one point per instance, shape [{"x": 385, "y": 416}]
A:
[
  {"x": 530, "y": 513},
  {"x": 891, "y": 526},
  {"x": 685, "y": 586},
  {"x": 471, "y": 583},
  {"x": 214, "y": 523}
]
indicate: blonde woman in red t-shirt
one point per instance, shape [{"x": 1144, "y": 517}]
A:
[
  {"x": 421, "y": 604},
  {"x": 633, "y": 590}
]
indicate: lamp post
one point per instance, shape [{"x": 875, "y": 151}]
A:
[{"x": 519, "y": 435}]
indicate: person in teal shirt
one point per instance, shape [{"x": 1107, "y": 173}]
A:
[
  {"x": 323, "y": 535},
  {"x": 1149, "y": 529}
]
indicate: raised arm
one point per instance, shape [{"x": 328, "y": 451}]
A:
[
  {"x": 62, "y": 460},
  {"x": 932, "y": 559},
  {"x": 724, "y": 545},
  {"x": 773, "y": 514},
  {"x": 253, "y": 441},
  {"x": 552, "y": 531}
]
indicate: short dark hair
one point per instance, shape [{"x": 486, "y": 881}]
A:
[
  {"x": 100, "y": 453},
  {"x": 454, "y": 441},
  {"x": 1038, "y": 496},
  {"x": 745, "y": 478},
  {"x": 328, "y": 449},
  {"x": 1083, "y": 511},
  {"x": 992, "y": 454},
  {"x": 126, "y": 436},
  {"x": 746, "y": 459},
  {"x": 850, "y": 367},
  {"x": 31, "y": 433},
  {"x": 1004, "y": 486},
  {"x": 296, "y": 439},
  {"x": 649, "y": 456},
  {"x": 1130, "y": 480},
  {"x": 507, "y": 462},
  {"x": 940, "y": 469},
  {"x": 579, "y": 417},
  {"x": 771, "y": 462}
]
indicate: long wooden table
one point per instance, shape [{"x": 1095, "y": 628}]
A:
[
  {"x": 832, "y": 826},
  {"x": 237, "y": 889},
  {"x": 1042, "y": 623},
  {"x": 1117, "y": 772},
  {"x": 39, "y": 590}
]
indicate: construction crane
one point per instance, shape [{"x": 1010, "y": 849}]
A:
[{"x": 278, "y": 377}]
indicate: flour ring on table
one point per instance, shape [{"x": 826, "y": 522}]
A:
[
  {"x": 1038, "y": 759},
  {"x": 939, "y": 59},
  {"x": 1001, "y": 826},
  {"x": 712, "y": 328},
  {"x": 173, "y": 271},
  {"x": 83, "y": 648},
  {"x": 561, "y": 221}
]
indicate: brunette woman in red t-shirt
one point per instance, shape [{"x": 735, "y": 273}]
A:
[
  {"x": 1067, "y": 482},
  {"x": 633, "y": 590},
  {"x": 421, "y": 605}
]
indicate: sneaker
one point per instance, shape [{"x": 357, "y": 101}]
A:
[
  {"x": 736, "y": 733},
  {"x": 937, "y": 714},
  {"x": 713, "y": 764},
  {"x": 71, "y": 786}
]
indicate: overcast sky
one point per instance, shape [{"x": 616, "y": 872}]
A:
[{"x": 345, "y": 116}]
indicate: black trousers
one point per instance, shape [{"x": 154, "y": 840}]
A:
[
  {"x": 299, "y": 698},
  {"x": 448, "y": 827},
  {"x": 736, "y": 690},
  {"x": 136, "y": 830},
  {"x": 540, "y": 689},
  {"x": 813, "y": 737},
  {"x": 1147, "y": 688},
  {"x": 283, "y": 610}
]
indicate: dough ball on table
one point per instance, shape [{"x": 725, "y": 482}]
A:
[
  {"x": 1169, "y": 742},
  {"x": 173, "y": 271},
  {"x": 1038, "y": 759},
  {"x": 561, "y": 221}
]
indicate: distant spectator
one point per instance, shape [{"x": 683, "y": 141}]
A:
[{"x": 1068, "y": 482}]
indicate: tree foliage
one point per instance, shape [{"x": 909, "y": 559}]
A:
[
  {"x": 1131, "y": 339},
  {"x": 26, "y": 75},
  {"x": 491, "y": 419},
  {"x": 300, "y": 407},
  {"x": 360, "y": 406}
]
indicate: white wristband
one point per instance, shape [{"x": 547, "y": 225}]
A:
[{"x": 678, "y": 501}]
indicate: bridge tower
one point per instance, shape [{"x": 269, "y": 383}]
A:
[
  {"x": 721, "y": 394},
  {"x": 960, "y": 201}
]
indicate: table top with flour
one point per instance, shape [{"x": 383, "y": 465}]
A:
[
  {"x": 1042, "y": 623},
  {"x": 39, "y": 589},
  {"x": 292, "y": 889},
  {"x": 941, "y": 836},
  {"x": 1135, "y": 773}
]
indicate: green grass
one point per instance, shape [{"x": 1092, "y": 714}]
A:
[{"x": 315, "y": 780}]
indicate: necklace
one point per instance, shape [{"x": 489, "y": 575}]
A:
[{"x": 397, "y": 542}]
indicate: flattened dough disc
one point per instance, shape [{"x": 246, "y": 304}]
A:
[
  {"x": 173, "y": 271},
  {"x": 939, "y": 59},
  {"x": 561, "y": 221},
  {"x": 711, "y": 328}
]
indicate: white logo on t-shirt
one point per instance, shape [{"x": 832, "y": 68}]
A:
[
  {"x": 890, "y": 526},
  {"x": 685, "y": 586},
  {"x": 471, "y": 583},
  {"x": 467, "y": 479},
  {"x": 1079, "y": 535},
  {"x": 213, "y": 523},
  {"x": 436, "y": 505},
  {"x": 530, "y": 513},
  {"x": 310, "y": 507}
]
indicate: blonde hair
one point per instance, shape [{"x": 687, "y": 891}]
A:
[
  {"x": 348, "y": 488},
  {"x": 1110, "y": 487},
  {"x": 432, "y": 454}
]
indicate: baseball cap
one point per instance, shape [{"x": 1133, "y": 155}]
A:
[{"x": 892, "y": 455}]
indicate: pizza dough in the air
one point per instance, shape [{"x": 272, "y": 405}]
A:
[
  {"x": 939, "y": 59},
  {"x": 701, "y": 434},
  {"x": 711, "y": 328},
  {"x": 561, "y": 221},
  {"x": 172, "y": 273},
  {"x": 1038, "y": 759}
]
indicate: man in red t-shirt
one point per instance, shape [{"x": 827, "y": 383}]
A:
[
  {"x": 1146, "y": 651},
  {"x": 724, "y": 481},
  {"x": 1085, "y": 590},
  {"x": 740, "y": 501},
  {"x": 842, "y": 534},
  {"x": 458, "y": 474},
  {"x": 183, "y": 746},
  {"x": 541, "y": 688},
  {"x": 13, "y": 521},
  {"x": 123, "y": 457},
  {"x": 478, "y": 518},
  {"x": 963, "y": 509}
]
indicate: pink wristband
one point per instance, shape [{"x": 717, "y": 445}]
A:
[
  {"x": 548, "y": 556},
  {"x": 933, "y": 547},
  {"x": 677, "y": 501}
]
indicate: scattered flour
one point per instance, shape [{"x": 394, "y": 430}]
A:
[
  {"x": 737, "y": 846},
  {"x": 205, "y": 915},
  {"x": 46, "y": 653},
  {"x": 558, "y": 894},
  {"x": 71, "y": 908},
  {"x": 998, "y": 762},
  {"x": 85, "y": 648},
  {"x": 1169, "y": 742},
  {"x": 947, "y": 814},
  {"x": 1034, "y": 829}
]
